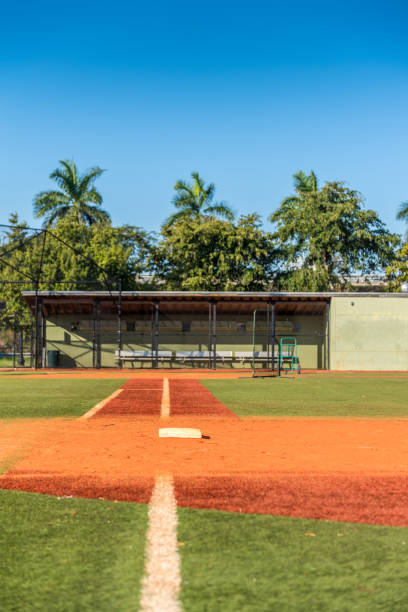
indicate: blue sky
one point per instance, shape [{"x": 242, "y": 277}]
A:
[{"x": 245, "y": 93}]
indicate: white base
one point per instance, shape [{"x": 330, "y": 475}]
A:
[{"x": 179, "y": 432}]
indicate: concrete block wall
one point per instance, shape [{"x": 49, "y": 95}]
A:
[{"x": 369, "y": 333}]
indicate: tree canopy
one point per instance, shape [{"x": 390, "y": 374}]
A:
[
  {"x": 77, "y": 196},
  {"x": 397, "y": 271},
  {"x": 194, "y": 200},
  {"x": 68, "y": 256},
  {"x": 212, "y": 254},
  {"x": 326, "y": 235}
]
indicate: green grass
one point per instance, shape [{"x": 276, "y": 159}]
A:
[
  {"x": 45, "y": 397},
  {"x": 61, "y": 554},
  {"x": 253, "y": 563},
  {"x": 320, "y": 397},
  {"x": 6, "y": 362}
]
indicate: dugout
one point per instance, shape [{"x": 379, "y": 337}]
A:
[{"x": 216, "y": 329}]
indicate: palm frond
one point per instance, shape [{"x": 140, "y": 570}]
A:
[
  {"x": 178, "y": 216},
  {"x": 403, "y": 211},
  {"x": 87, "y": 179},
  {"x": 222, "y": 210},
  {"x": 47, "y": 200}
]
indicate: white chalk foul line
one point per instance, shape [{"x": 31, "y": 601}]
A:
[
  {"x": 165, "y": 403},
  {"x": 100, "y": 405},
  {"x": 162, "y": 581}
]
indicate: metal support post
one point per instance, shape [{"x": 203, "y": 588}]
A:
[
  {"x": 38, "y": 335},
  {"x": 98, "y": 333},
  {"x": 156, "y": 335},
  {"x": 20, "y": 342},
  {"x": 209, "y": 335},
  {"x": 214, "y": 334},
  {"x": 119, "y": 323},
  {"x": 94, "y": 334},
  {"x": 43, "y": 339},
  {"x": 327, "y": 336},
  {"x": 32, "y": 344},
  {"x": 14, "y": 340},
  {"x": 273, "y": 330},
  {"x": 36, "y": 328}
]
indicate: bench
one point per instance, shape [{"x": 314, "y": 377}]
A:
[
  {"x": 262, "y": 356},
  {"x": 142, "y": 356},
  {"x": 248, "y": 356},
  {"x": 192, "y": 356},
  {"x": 201, "y": 356}
]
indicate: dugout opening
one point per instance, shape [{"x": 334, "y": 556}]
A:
[{"x": 178, "y": 329}]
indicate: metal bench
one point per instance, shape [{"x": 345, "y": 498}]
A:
[
  {"x": 247, "y": 356},
  {"x": 142, "y": 356},
  {"x": 223, "y": 356},
  {"x": 191, "y": 356},
  {"x": 201, "y": 356}
]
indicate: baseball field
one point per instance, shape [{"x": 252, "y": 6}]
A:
[{"x": 294, "y": 497}]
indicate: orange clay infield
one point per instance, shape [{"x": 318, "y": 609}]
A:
[{"x": 336, "y": 469}]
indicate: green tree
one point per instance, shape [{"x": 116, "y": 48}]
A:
[
  {"x": 304, "y": 184},
  {"x": 326, "y": 235},
  {"x": 194, "y": 200},
  {"x": 397, "y": 271},
  {"x": 72, "y": 252},
  {"x": 77, "y": 196},
  {"x": 212, "y": 254}
]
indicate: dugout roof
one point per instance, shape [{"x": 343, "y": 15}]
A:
[{"x": 174, "y": 302}]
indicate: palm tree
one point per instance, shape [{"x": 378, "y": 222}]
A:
[
  {"x": 303, "y": 183},
  {"x": 403, "y": 211},
  {"x": 194, "y": 200},
  {"x": 77, "y": 196}
]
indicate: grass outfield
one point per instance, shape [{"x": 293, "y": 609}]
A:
[
  {"x": 44, "y": 397},
  {"x": 254, "y": 563},
  {"x": 63, "y": 554},
  {"x": 315, "y": 397}
]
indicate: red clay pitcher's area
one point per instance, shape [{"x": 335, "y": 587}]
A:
[{"x": 337, "y": 469}]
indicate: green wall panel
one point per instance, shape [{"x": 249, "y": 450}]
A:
[{"x": 369, "y": 333}]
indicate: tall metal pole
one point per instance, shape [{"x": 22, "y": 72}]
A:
[
  {"x": 36, "y": 327},
  {"x": 120, "y": 323}
]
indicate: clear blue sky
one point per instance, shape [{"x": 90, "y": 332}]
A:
[{"x": 247, "y": 93}]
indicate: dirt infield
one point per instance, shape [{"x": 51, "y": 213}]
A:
[{"x": 338, "y": 469}]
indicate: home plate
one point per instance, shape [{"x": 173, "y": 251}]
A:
[{"x": 179, "y": 432}]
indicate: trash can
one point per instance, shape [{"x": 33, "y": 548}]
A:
[{"x": 53, "y": 359}]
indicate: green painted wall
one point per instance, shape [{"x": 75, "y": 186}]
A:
[
  {"x": 177, "y": 333},
  {"x": 369, "y": 333}
]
